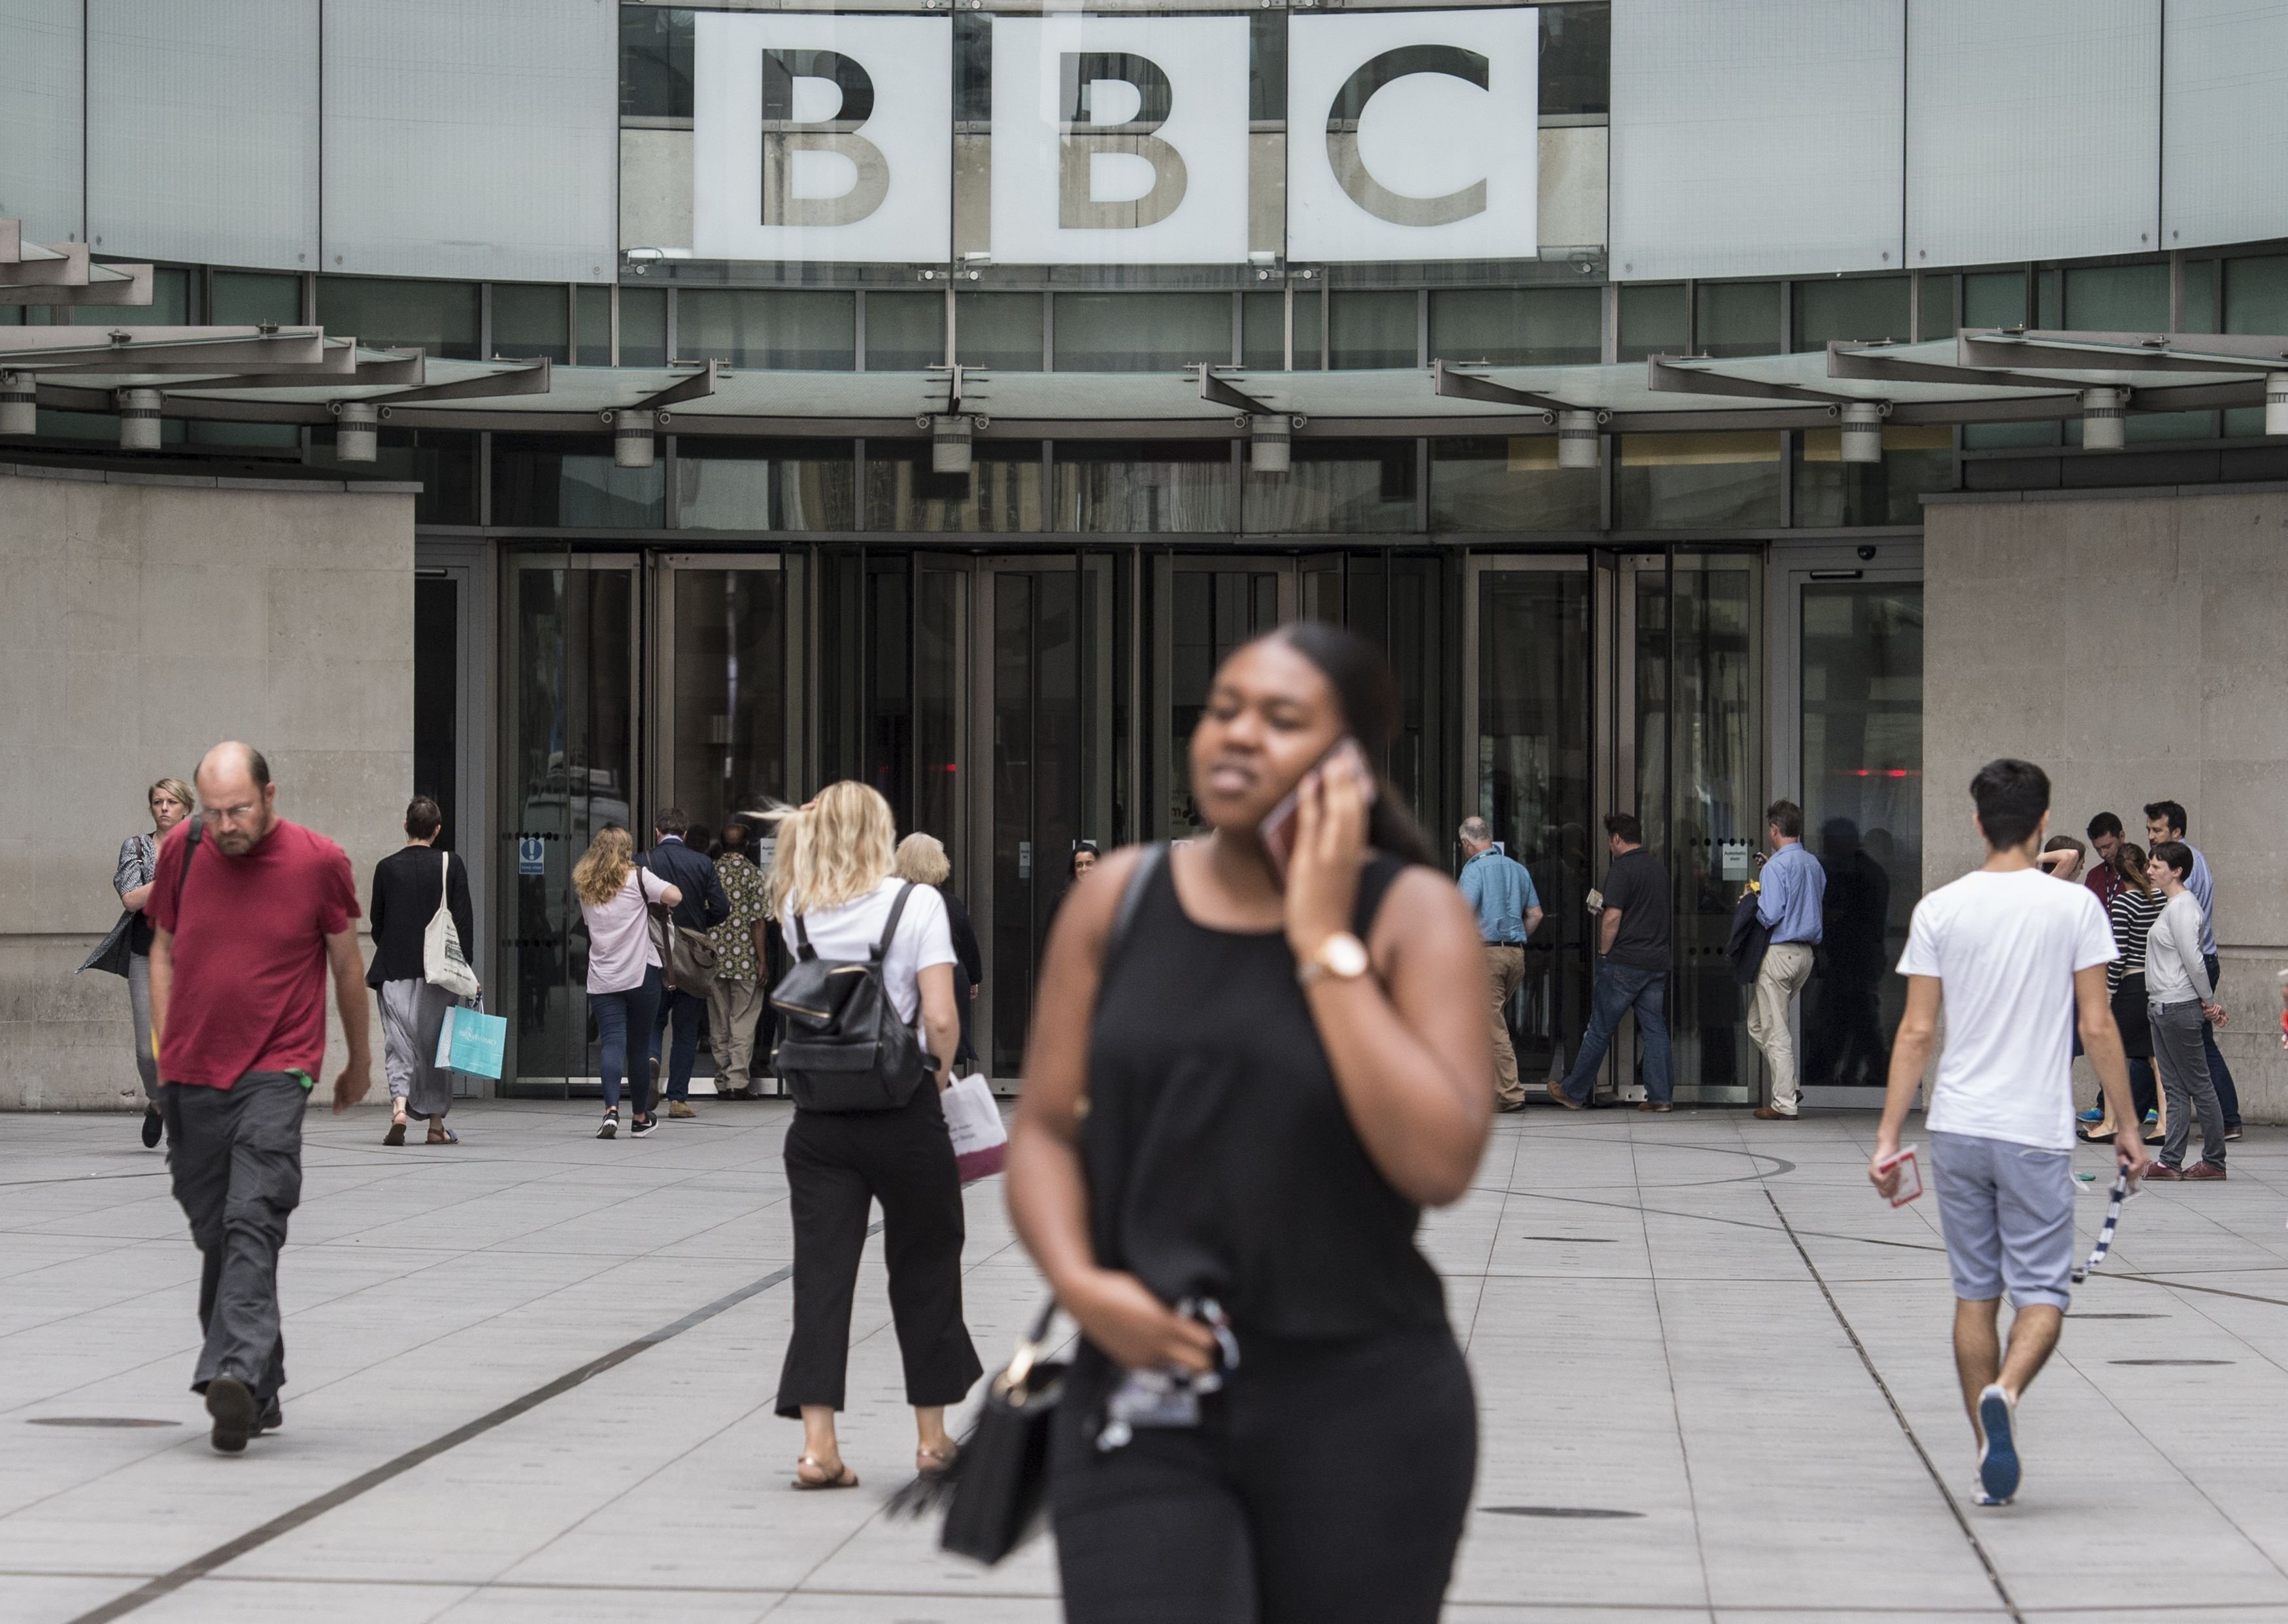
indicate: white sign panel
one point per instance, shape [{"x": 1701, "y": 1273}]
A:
[
  {"x": 1119, "y": 140},
  {"x": 1413, "y": 135},
  {"x": 822, "y": 137}
]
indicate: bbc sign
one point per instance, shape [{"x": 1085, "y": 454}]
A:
[{"x": 1116, "y": 140}]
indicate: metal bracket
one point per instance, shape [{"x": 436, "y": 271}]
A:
[
  {"x": 1663, "y": 375},
  {"x": 524, "y": 377},
  {"x": 1449, "y": 380}
]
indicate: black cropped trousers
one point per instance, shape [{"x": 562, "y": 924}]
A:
[
  {"x": 1327, "y": 1484},
  {"x": 837, "y": 1165}
]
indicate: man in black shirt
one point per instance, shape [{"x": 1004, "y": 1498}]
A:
[{"x": 1632, "y": 935}]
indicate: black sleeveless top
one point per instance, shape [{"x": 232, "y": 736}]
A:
[{"x": 1221, "y": 1160}]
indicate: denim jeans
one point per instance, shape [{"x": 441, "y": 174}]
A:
[
  {"x": 2220, "y": 1074},
  {"x": 683, "y": 1009},
  {"x": 617, "y": 1015},
  {"x": 1619, "y": 989}
]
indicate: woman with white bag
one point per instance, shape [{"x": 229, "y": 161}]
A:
[{"x": 423, "y": 927}]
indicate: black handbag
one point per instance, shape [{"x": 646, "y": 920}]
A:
[
  {"x": 1750, "y": 941},
  {"x": 1001, "y": 1478},
  {"x": 842, "y": 1046},
  {"x": 113, "y": 953}
]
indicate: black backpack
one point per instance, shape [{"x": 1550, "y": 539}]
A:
[{"x": 841, "y": 1046}]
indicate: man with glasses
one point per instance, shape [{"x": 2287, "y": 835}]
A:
[{"x": 251, "y": 912}]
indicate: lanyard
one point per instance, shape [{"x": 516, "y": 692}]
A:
[{"x": 2105, "y": 1231}]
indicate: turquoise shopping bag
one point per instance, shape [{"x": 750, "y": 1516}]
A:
[{"x": 472, "y": 1041}]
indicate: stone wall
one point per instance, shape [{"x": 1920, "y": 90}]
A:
[
  {"x": 140, "y": 623},
  {"x": 2133, "y": 645}
]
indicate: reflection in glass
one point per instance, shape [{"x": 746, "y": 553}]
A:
[
  {"x": 560, "y": 479},
  {"x": 1716, "y": 480},
  {"x": 1372, "y": 329},
  {"x": 1524, "y": 326},
  {"x": 1211, "y": 611},
  {"x": 1509, "y": 484},
  {"x": 444, "y": 461},
  {"x": 1699, "y": 751},
  {"x": 802, "y": 330},
  {"x": 1737, "y": 319},
  {"x": 593, "y": 318},
  {"x": 1346, "y": 486},
  {"x": 905, "y": 332},
  {"x": 1655, "y": 320},
  {"x": 1000, "y": 330},
  {"x": 1037, "y": 777},
  {"x": 1532, "y": 771},
  {"x": 765, "y": 484},
  {"x": 1830, "y": 492},
  {"x": 440, "y": 317},
  {"x": 531, "y": 320},
  {"x": 730, "y": 693},
  {"x": 1866, "y": 309},
  {"x": 243, "y": 298},
  {"x": 1000, "y": 493},
  {"x": 1862, "y": 798},
  {"x": 570, "y": 757},
  {"x": 1143, "y": 486},
  {"x": 1141, "y": 332},
  {"x": 643, "y": 326}
]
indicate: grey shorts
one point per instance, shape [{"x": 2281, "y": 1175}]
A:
[{"x": 2009, "y": 1212}]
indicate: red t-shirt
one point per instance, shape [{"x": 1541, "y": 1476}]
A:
[{"x": 249, "y": 953}]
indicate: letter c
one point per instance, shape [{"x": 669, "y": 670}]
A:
[{"x": 1349, "y": 105}]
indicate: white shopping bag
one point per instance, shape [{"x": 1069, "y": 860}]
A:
[{"x": 980, "y": 1142}]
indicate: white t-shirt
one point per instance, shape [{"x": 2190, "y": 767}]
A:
[
  {"x": 2006, "y": 947},
  {"x": 619, "y": 939},
  {"x": 850, "y": 930}
]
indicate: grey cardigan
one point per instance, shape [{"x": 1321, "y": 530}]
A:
[{"x": 2173, "y": 970}]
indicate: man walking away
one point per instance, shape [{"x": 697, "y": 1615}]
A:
[
  {"x": 1501, "y": 892},
  {"x": 1793, "y": 904},
  {"x": 2104, "y": 832},
  {"x": 1632, "y": 936},
  {"x": 2018, "y": 963},
  {"x": 250, "y": 913},
  {"x": 703, "y": 909},
  {"x": 736, "y": 997},
  {"x": 2164, "y": 820}
]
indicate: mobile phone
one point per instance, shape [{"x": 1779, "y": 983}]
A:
[
  {"x": 1277, "y": 830},
  {"x": 1911, "y": 1178},
  {"x": 1596, "y": 900}
]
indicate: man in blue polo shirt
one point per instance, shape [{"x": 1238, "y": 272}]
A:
[
  {"x": 1509, "y": 910},
  {"x": 1793, "y": 898}
]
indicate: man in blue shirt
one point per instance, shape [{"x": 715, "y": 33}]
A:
[
  {"x": 1501, "y": 892},
  {"x": 1791, "y": 905}
]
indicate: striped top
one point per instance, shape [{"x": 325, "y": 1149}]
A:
[{"x": 2133, "y": 913}]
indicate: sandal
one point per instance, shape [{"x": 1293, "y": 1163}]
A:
[
  {"x": 439, "y": 1134},
  {"x": 845, "y": 1478},
  {"x": 396, "y": 1134},
  {"x": 936, "y": 1462}
]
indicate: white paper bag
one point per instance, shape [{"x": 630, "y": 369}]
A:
[{"x": 980, "y": 1142}]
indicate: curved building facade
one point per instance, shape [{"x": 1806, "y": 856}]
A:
[{"x": 1702, "y": 401}]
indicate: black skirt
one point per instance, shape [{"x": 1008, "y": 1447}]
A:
[{"x": 2129, "y": 1015}]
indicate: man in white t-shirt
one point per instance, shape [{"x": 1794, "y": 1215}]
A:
[{"x": 2019, "y": 964}]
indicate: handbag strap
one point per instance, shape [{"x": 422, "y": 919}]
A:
[
  {"x": 890, "y": 930},
  {"x": 1132, "y": 903},
  {"x": 445, "y": 884}
]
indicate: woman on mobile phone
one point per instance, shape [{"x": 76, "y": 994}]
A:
[{"x": 1262, "y": 1162}]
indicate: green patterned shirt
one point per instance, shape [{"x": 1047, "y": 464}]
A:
[{"x": 734, "y": 942}]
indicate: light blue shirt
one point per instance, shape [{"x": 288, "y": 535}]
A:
[
  {"x": 1500, "y": 890},
  {"x": 1794, "y": 895}
]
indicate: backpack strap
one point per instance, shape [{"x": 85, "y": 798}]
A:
[
  {"x": 897, "y": 911},
  {"x": 1131, "y": 902},
  {"x": 803, "y": 950},
  {"x": 190, "y": 850}
]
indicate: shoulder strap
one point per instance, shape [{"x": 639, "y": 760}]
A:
[
  {"x": 190, "y": 850},
  {"x": 802, "y": 948},
  {"x": 897, "y": 910},
  {"x": 1131, "y": 901}
]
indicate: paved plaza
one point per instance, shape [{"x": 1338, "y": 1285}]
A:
[{"x": 531, "y": 1380}]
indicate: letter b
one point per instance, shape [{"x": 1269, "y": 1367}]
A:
[
  {"x": 783, "y": 137},
  {"x": 1080, "y": 140}
]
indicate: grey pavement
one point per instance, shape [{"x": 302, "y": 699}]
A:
[{"x": 1705, "y": 1327}]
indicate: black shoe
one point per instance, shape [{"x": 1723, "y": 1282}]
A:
[
  {"x": 274, "y": 1419},
  {"x": 2231, "y": 1134},
  {"x": 611, "y": 1124},
  {"x": 232, "y": 1405},
  {"x": 644, "y": 1125},
  {"x": 1509, "y": 1105},
  {"x": 154, "y": 1125}
]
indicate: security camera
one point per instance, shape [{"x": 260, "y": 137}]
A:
[{"x": 1866, "y": 553}]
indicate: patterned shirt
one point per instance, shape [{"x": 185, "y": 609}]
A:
[{"x": 734, "y": 942}]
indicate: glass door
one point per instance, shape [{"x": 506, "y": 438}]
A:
[
  {"x": 569, "y": 750},
  {"x": 1527, "y": 713},
  {"x": 1204, "y": 607},
  {"x": 727, "y": 663},
  {"x": 1690, "y": 709}
]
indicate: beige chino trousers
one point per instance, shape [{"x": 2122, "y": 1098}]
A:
[
  {"x": 1504, "y": 968},
  {"x": 1787, "y": 966}
]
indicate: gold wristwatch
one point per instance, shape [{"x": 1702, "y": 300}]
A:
[{"x": 1341, "y": 955}]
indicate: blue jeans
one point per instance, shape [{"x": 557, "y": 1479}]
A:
[
  {"x": 618, "y": 1014},
  {"x": 2221, "y": 1074},
  {"x": 1619, "y": 989},
  {"x": 683, "y": 1009}
]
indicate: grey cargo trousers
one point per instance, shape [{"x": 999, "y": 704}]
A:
[{"x": 236, "y": 1159}]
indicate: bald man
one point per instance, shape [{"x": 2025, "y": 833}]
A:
[{"x": 250, "y": 913}]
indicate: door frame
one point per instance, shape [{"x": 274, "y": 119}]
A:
[{"x": 659, "y": 655}]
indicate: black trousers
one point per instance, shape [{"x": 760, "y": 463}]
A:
[
  {"x": 835, "y": 1165},
  {"x": 235, "y": 1157},
  {"x": 1327, "y": 1484}
]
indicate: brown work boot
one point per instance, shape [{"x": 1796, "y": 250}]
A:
[
  {"x": 1558, "y": 1093},
  {"x": 678, "y": 1110},
  {"x": 2163, "y": 1172},
  {"x": 1765, "y": 1113},
  {"x": 2204, "y": 1170}
]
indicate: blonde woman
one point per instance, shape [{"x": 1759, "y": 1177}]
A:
[
  {"x": 169, "y": 802},
  {"x": 623, "y": 972},
  {"x": 922, "y": 859},
  {"x": 832, "y": 888}
]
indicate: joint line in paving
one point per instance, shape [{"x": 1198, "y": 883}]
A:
[
  {"x": 1993, "y": 1573},
  {"x": 309, "y": 1510}
]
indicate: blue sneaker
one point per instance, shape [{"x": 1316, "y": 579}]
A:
[
  {"x": 2093, "y": 1116},
  {"x": 1997, "y": 1452}
]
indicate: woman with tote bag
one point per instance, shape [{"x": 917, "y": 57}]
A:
[
  {"x": 126, "y": 950},
  {"x": 423, "y": 926}
]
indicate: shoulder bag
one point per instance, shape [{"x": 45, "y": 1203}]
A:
[
  {"x": 116, "y": 950},
  {"x": 842, "y": 1046},
  {"x": 444, "y": 963},
  {"x": 999, "y": 1481}
]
